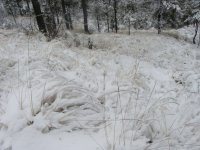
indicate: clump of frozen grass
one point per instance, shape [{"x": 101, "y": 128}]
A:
[
  {"x": 137, "y": 118},
  {"x": 59, "y": 104}
]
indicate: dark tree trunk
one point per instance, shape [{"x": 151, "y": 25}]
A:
[
  {"x": 50, "y": 19},
  {"x": 98, "y": 19},
  {"x": 196, "y": 31},
  {"x": 57, "y": 13},
  {"x": 69, "y": 5},
  {"x": 160, "y": 16},
  {"x": 199, "y": 41},
  {"x": 39, "y": 17},
  {"x": 112, "y": 24},
  {"x": 51, "y": 11},
  {"x": 107, "y": 3},
  {"x": 65, "y": 14},
  {"x": 98, "y": 23},
  {"x": 115, "y": 15},
  {"x": 85, "y": 15},
  {"x": 108, "y": 23},
  {"x": 57, "y": 17},
  {"x": 129, "y": 26},
  {"x": 159, "y": 24},
  {"x": 174, "y": 23},
  {"x": 70, "y": 20}
]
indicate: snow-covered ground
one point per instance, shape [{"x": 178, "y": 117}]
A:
[{"x": 138, "y": 92}]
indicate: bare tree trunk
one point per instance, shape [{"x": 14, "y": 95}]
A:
[
  {"x": 160, "y": 16},
  {"x": 108, "y": 23},
  {"x": 65, "y": 14},
  {"x": 98, "y": 24},
  {"x": 69, "y": 18},
  {"x": 85, "y": 15},
  {"x": 112, "y": 24},
  {"x": 115, "y": 15},
  {"x": 39, "y": 17},
  {"x": 159, "y": 24},
  {"x": 129, "y": 26},
  {"x": 199, "y": 41},
  {"x": 57, "y": 13},
  {"x": 97, "y": 19},
  {"x": 50, "y": 19},
  {"x": 70, "y": 21},
  {"x": 196, "y": 23},
  {"x": 57, "y": 17},
  {"x": 107, "y": 3}
]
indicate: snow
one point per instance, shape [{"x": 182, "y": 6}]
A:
[{"x": 129, "y": 92}]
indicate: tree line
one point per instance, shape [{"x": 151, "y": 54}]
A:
[{"x": 108, "y": 15}]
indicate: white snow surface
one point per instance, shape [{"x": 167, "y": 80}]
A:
[{"x": 138, "y": 92}]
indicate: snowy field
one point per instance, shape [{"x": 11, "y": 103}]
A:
[{"x": 138, "y": 92}]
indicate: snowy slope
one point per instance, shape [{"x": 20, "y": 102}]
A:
[{"x": 128, "y": 93}]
